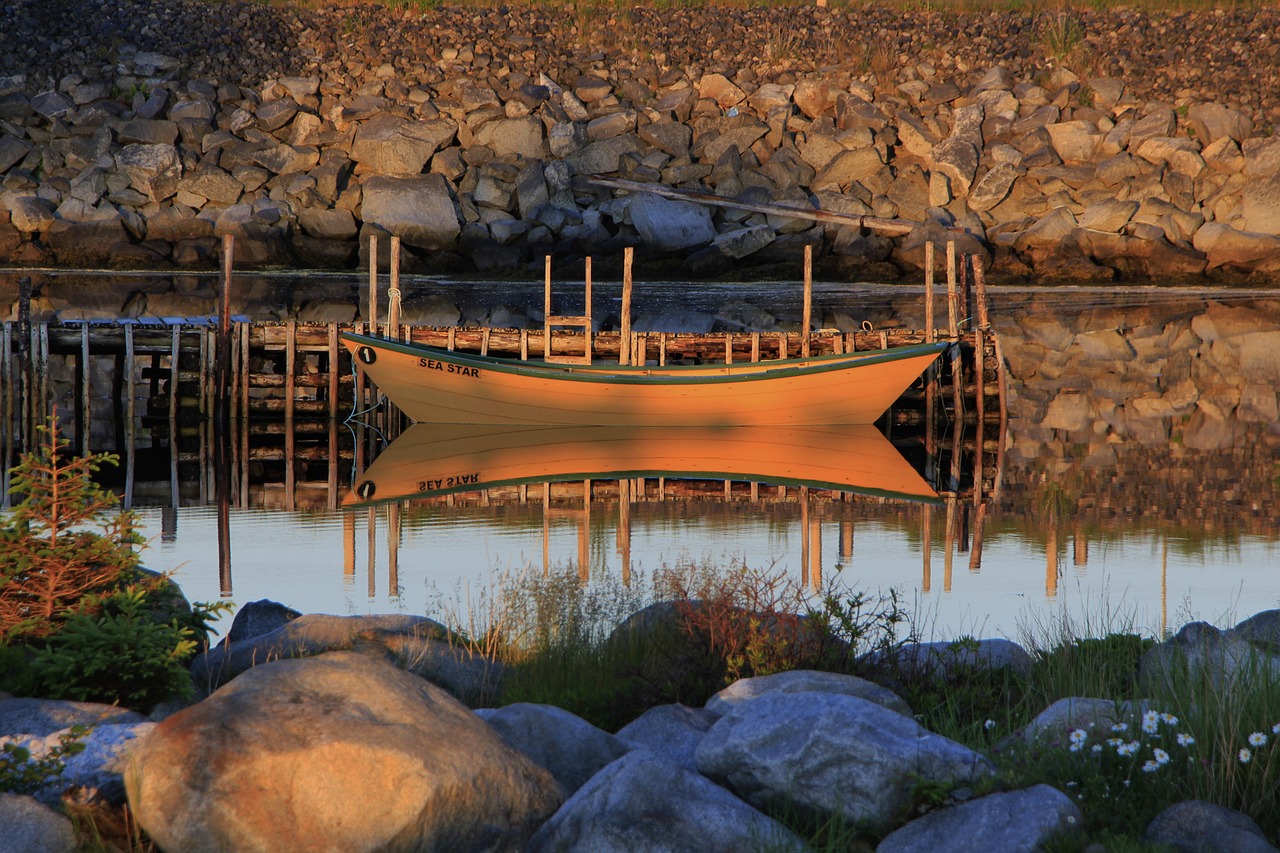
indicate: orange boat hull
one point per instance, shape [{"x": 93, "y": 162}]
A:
[{"x": 438, "y": 386}]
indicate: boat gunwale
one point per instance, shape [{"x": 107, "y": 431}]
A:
[
  {"x": 643, "y": 374},
  {"x": 935, "y": 499}
]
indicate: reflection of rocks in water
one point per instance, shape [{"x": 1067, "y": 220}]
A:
[{"x": 1154, "y": 407}]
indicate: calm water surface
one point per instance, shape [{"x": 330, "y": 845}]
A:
[{"x": 1137, "y": 484}]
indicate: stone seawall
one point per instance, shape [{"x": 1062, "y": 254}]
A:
[{"x": 474, "y": 136}]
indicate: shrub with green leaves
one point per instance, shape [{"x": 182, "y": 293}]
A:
[{"x": 117, "y": 654}]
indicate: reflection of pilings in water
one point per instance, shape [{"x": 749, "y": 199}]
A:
[
  {"x": 393, "y": 550},
  {"x": 372, "y": 538},
  {"x": 349, "y": 546},
  {"x": 221, "y": 426},
  {"x": 1051, "y": 560},
  {"x": 624, "y": 529},
  {"x": 926, "y": 549},
  {"x": 7, "y": 398},
  {"x": 815, "y": 547},
  {"x": 804, "y": 536},
  {"x": 584, "y": 534}
]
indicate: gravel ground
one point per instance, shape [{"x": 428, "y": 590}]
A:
[{"x": 1229, "y": 56}]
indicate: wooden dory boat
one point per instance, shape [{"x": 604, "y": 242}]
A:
[
  {"x": 439, "y": 459},
  {"x": 438, "y": 386}
]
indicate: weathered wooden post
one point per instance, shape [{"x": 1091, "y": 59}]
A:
[
  {"x": 980, "y": 292},
  {"x": 26, "y": 390},
  {"x": 222, "y": 419},
  {"x": 806, "y": 316},
  {"x": 930, "y": 325},
  {"x": 624, "y": 320},
  {"x": 6, "y": 409},
  {"x": 393, "y": 293},
  {"x": 85, "y": 421}
]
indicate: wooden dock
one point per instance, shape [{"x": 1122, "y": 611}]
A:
[{"x": 153, "y": 384}]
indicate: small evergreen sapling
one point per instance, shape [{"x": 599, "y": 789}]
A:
[{"x": 50, "y": 555}]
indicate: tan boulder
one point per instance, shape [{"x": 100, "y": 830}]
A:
[{"x": 336, "y": 753}]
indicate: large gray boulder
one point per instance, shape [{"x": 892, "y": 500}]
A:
[
  {"x": 944, "y": 659},
  {"x": 31, "y": 826},
  {"x": 257, "y": 618},
  {"x": 668, "y": 226},
  {"x": 1200, "y": 651},
  {"x": 804, "y": 680},
  {"x": 640, "y": 802},
  {"x": 1064, "y": 716},
  {"x": 672, "y": 732},
  {"x": 1195, "y": 826},
  {"x": 1016, "y": 822},
  {"x": 414, "y": 642},
  {"x": 828, "y": 754},
  {"x": 567, "y": 745},
  {"x": 419, "y": 209},
  {"x": 334, "y": 753}
]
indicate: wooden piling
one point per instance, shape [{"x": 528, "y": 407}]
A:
[
  {"x": 130, "y": 417},
  {"x": 6, "y": 410},
  {"x": 953, "y": 298},
  {"x": 393, "y": 293},
  {"x": 45, "y": 381},
  {"x": 175, "y": 355},
  {"x": 334, "y": 358},
  {"x": 23, "y": 368},
  {"x": 85, "y": 424},
  {"x": 624, "y": 317},
  {"x": 290, "y": 391},
  {"x": 806, "y": 316},
  {"x": 372, "y": 317},
  {"x": 930, "y": 325},
  {"x": 980, "y": 292}
]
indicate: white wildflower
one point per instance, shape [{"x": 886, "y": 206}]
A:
[
  {"x": 1257, "y": 739},
  {"x": 989, "y": 725},
  {"x": 1120, "y": 727},
  {"x": 1150, "y": 767},
  {"x": 1151, "y": 722},
  {"x": 1168, "y": 719},
  {"x": 1185, "y": 740},
  {"x": 1161, "y": 756},
  {"x": 1245, "y": 756}
]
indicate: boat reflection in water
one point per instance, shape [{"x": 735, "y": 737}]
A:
[{"x": 431, "y": 460}]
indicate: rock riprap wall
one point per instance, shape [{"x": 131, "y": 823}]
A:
[{"x": 137, "y": 135}]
